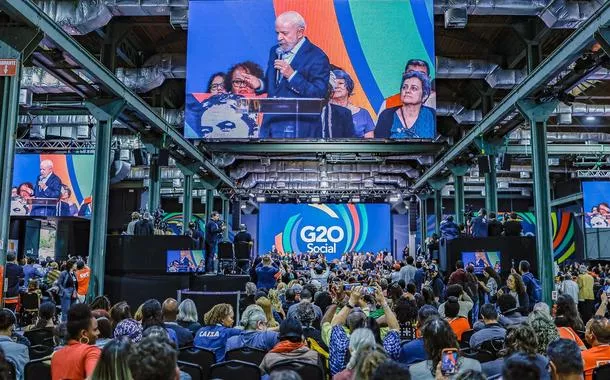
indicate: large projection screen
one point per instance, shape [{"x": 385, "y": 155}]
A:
[
  {"x": 329, "y": 229},
  {"x": 371, "y": 41}
]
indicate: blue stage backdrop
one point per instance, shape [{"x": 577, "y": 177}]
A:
[{"x": 330, "y": 229}]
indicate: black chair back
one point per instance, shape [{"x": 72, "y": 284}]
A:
[
  {"x": 203, "y": 358},
  {"x": 305, "y": 370},
  {"x": 465, "y": 341},
  {"x": 37, "y": 370},
  {"x": 493, "y": 346},
  {"x": 40, "y": 351},
  {"x": 40, "y": 337},
  {"x": 194, "y": 370},
  {"x": 12, "y": 372},
  {"x": 242, "y": 250},
  {"x": 602, "y": 372},
  {"x": 30, "y": 301},
  {"x": 225, "y": 251},
  {"x": 246, "y": 354},
  {"x": 235, "y": 369}
]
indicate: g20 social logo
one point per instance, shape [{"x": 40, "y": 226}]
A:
[{"x": 325, "y": 228}]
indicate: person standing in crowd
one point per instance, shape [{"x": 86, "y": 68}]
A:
[
  {"x": 135, "y": 217},
  {"x": 586, "y": 298},
  {"x": 565, "y": 361},
  {"x": 532, "y": 285},
  {"x": 478, "y": 226},
  {"x": 15, "y": 353},
  {"x": 569, "y": 286},
  {"x": 77, "y": 360},
  {"x": 68, "y": 286},
  {"x": 490, "y": 285},
  {"x": 464, "y": 301},
  {"x": 144, "y": 227},
  {"x": 83, "y": 275},
  {"x": 266, "y": 272},
  {"x": 407, "y": 273},
  {"x": 30, "y": 271},
  {"x": 449, "y": 229},
  {"x": 14, "y": 274},
  {"x": 597, "y": 334},
  {"x": 512, "y": 226},
  {"x": 494, "y": 227},
  {"x": 213, "y": 233},
  {"x": 297, "y": 69},
  {"x": 243, "y": 236},
  {"x": 458, "y": 277}
]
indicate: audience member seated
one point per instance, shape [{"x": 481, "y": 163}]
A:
[
  {"x": 542, "y": 323},
  {"x": 362, "y": 348},
  {"x": 105, "y": 328},
  {"x": 169, "y": 310},
  {"x": 414, "y": 351},
  {"x": 217, "y": 330},
  {"x": 597, "y": 334},
  {"x": 354, "y": 317},
  {"x": 489, "y": 329},
  {"x": 15, "y": 353},
  {"x": 292, "y": 297},
  {"x": 509, "y": 314},
  {"x": 255, "y": 334},
  {"x": 77, "y": 360},
  {"x": 265, "y": 304},
  {"x": 406, "y": 313},
  {"x": 464, "y": 301},
  {"x": 154, "y": 358},
  {"x": 519, "y": 339},
  {"x": 306, "y": 296},
  {"x": 458, "y": 324},
  {"x": 520, "y": 366},
  {"x": 113, "y": 361},
  {"x": 516, "y": 288},
  {"x": 391, "y": 370},
  {"x": 249, "y": 298},
  {"x": 101, "y": 303},
  {"x": 306, "y": 315},
  {"x": 45, "y": 319},
  {"x": 568, "y": 320},
  {"x": 291, "y": 347},
  {"x": 565, "y": 361},
  {"x": 119, "y": 312},
  {"x": 152, "y": 316},
  {"x": 129, "y": 328},
  {"x": 188, "y": 316},
  {"x": 438, "y": 335}
]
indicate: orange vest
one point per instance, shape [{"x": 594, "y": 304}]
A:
[{"x": 82, "y": 278}]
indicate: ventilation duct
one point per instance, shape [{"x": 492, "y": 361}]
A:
[
  {"x": 313, "y": 167},
  {"x": 316, "y": 186},
  {"x": 559, "y": 14},
  {"x": 450, "y": 68},
  {"x": 154, "y": 72},
  {"x": 39, "y": 81},
  {"x": 349, "y": 179}
]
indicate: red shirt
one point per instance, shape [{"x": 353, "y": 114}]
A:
[
  {"x": 595, "y": 357},
  {"x": 76, "y": 361}
]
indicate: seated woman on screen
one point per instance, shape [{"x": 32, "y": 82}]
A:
[
  {"x": 343, "y": 90},
  {"x": 412, "y": 120}
]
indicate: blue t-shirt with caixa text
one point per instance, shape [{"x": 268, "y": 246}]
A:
[{"x": 214, "y": 338}]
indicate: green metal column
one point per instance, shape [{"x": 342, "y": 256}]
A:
[
  {"x": 209, "y": 203},
  {"x": 423, "y": 217},
  {"x": 537, "y": 115},
  {"x": 438, "y": 183},
  {"x": 225, "y": 217},
  {"x": 187, "y": 203},
  {"x": 154, "y": 184},
  {"x": 491, "y": 186},
  {"x": 105, "y": 112},
  {"x": 458, "y": 172}
]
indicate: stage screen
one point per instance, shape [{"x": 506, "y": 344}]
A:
[
  {"x": 329, "y": 229},
  {"x": 185, "y": 261},
  {"x": 596, "y": 203},
  {"x": 52, "y": 185},
  {"x": 238, "y": 36},
  {"x": 482, "y": 259}
]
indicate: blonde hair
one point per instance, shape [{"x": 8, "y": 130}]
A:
[
  {"x": 275, "y": 300},
  {"x": 280, "y": 286},
  {"x": 217, "y": 314},
  {"x": 138, "y": 315},
  {"x": 265, "y": 304},
  {"x": 293, "y": 283}
]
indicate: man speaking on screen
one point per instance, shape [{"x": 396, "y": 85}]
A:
[{"x": 297, "y": 69}]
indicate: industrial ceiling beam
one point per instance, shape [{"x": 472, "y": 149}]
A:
[
  {"x": 35, "y": 16},
  {"x": 564, "y": 55},
  {"x": 560, "y": 149},
  {"x": 565, "y": 200},
  {"x": 267, "y": 147}
]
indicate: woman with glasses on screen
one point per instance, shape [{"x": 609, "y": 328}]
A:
[
  {"x": 235, "y": 82},
  {"x": 411, "y": 120}
]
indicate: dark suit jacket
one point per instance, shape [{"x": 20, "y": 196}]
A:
[
  {"x": 310, "y": 81},
  {"x": 341, "y": 122},
  {"x": 53, "y": 189},
  {"x": 144, "y": 227}
]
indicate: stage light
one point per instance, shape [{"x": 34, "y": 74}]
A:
[
  {"x": 355, "y": 199},
  {"x": 394, "y": 198},
  {"x": 315, "y": 199},
  {"x": 260, "y": 199},
  {"x": 243, "y": 205},
  {"x": 590, "y": 118}
]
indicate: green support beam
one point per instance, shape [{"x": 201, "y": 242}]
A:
[
  {"x": 491, "y": 186},
  {"x": 187, "y": 202},
  {"x": 565, "y": 54},
  {"x": 225, "y": 217},
  {"x": 104, "y": 78},
  {"x": 537, "y": 115},
  {"x": 15, "y": 44},
  {"x": 209, "y": 203},
  {"x": 437, "y": 184},
  {"x": 560, "y": 149},
  {"x": 320, "y": 146},
  {"x": 423, "y": 217},
  {"x": 154, "y": 184},
  {"x": 104, "y": 111},
  {"x": 565, "y": 200},
  {"x": 458, "y": 172}
]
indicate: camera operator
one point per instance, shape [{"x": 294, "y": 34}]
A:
[{"x": 213, "y": 233}]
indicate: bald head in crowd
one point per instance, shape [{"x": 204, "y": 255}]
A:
[{"x": 169, "y": 310}]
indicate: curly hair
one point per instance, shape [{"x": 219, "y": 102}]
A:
[
  {"x": 519, "y": 285},
  {"x": 566, "y": 314},
  {"x": 101, "y": 302},
  {"x": 438, "y": 335},
  {"x": 275, "y": 299},
  {"x": 153, "y": 359},
  {"x": 217, "y": 314},
  {"x": 520, "y": 338},
  {"x": 151, "y": 314},
  {"x": 546, "y": 331},
  {"x": 248, "y": 66},
  {"x": 349, "y": 82},
  {"x": 367, "y": 361}
]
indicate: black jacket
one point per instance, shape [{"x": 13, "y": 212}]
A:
[{"x": 494, "y": 228}]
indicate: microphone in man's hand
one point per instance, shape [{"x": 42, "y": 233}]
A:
[{"x": 279, "y": 53}]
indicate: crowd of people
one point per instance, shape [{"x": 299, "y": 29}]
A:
[
  {"x": 363, "y": 316},
  {"x": 482, "y": 225}
]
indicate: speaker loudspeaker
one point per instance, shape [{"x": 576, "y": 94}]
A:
[
  {"x": 236, "y": 215},
  {"x": 483, "y": 165},
  {"x": 506, "y": 162},
  {"x": 412, "y": 217},
  {"x": 139, "y": 157},
  {"x": 163, "y": 159}
]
